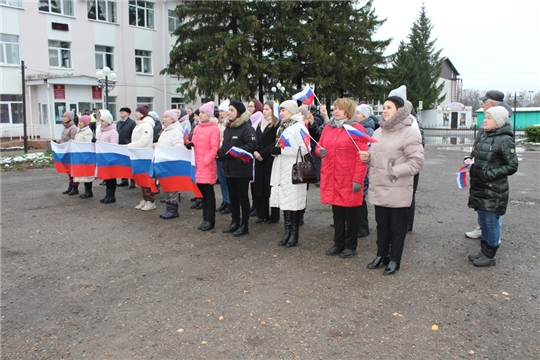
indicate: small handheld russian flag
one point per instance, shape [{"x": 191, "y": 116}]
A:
[
  {"x": 306, "y": 96},
  {"x": 462, "y": 175},
  {"x": 240, "y": 154},
  {"x": 306, "y": 138},
  {"x": 284, "y": 142},
  {"x": 354, "y": 132},
  {"x": 186, "y": 136}
]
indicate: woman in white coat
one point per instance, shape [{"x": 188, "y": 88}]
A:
[
  {"x": 85, "y": 135},
  {"x": 291, "y": 198}
]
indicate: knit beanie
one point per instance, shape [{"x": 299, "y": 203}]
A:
[
  {"x": 143, "y": 109},
  {"x": 85, "y": 119},
  {"x": 224, "y": 106},
  {"x": 304, "y": 109},
  {"x": 240, "y": 108},
  {"x": 154, "y": 115},
  {"x": 173, "y": 114},
  {"x": 207, "y": 108},
  {"x": 290, "y": 105},
  {"x": 500, "y": 115},
  {"x": 70, "y": 115},
  {"x": 258, "y": 105},
  {"x": 400, "y": 92},
  {"x": 364, "y": 110},
  {"x": 105, "y": 115}
]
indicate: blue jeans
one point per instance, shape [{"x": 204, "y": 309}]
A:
[
  {"x": 491, "y": 225},
  {"x": 222, "y": 183}
]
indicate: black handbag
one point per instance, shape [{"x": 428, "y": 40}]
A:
[{"x": 303, "y": 171}]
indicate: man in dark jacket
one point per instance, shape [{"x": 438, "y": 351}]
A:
[{"x": 125, "y": 126}]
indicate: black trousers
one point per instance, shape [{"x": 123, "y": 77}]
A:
[
  {"x": 411, "y": 209},
  {"x": 238, "y": 193},
  {"x": 346, "y": 226},
  {"x": 391, "y": 231},
  {"x": 363, "y": 222},
  {"x": 208, "y": 202}
]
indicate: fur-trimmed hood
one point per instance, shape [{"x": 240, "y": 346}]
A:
[
  {"x": 242, "y": 119},
  {"x": 400, "y": 119}
]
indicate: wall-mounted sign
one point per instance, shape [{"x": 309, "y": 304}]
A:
[
  {"x": 97, "y": 93},
  {"x": 60, "y": 92}
]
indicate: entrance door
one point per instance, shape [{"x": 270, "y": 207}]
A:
[
  {"x": 454, "y": 120},
  {"x": 84, "y": 106}
]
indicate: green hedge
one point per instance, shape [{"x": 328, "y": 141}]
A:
[{"x": 533, "y": 133}]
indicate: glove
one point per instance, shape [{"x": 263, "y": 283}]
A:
[
  {"x": 221, "y": 154},
  {"x": 322, "y": 152},
  {"x": 93, "y": 140},
  {"x": 356, "y": 187},
  {"x": 189, "y": 146},
  {"x": 276, "y": 150}
]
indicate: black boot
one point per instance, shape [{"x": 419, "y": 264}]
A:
[
  {"x": 378, "y": 261},
  {"x": 302, "y": 213},
  {"x": 487, "y": 256},
  {"x": 242, "y": 230},
  {"x": 197, "y": 205},
  {"x": 287, "y": 225},
  {"x": 68, "y": 190},
  {"x": 221, "y": 207},
  {"x": 87, "y": 191},
  {"x": 132, "y": 184},
  {"x": 74, "y": 190},
  {"x": 227, "y": 209},
  {"x": 107, "y": 194},
  {"x": 103, "y": 183},
  {"x": 231, "y": 228},
  {"x": 110, "y": 198},
  {"x": 123, "y": 183},
  {"x": 478, "y": 255},
  {"x": 391, "y": 268},
  {"x": 296, "y": 216}
]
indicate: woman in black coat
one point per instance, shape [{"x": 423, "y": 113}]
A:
[
  {"x": 495, "y": 159},
  {"x": 266, "y": 140},
  {"x": 238, "y": 173}
]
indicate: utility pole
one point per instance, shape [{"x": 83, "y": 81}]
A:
[{"x": 25, "y": 134}]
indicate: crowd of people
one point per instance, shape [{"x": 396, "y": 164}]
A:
[{"x": 349, "y": 170}]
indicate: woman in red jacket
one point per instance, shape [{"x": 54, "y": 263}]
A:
[
  {"x": 342, "y": 176},
  {"x": 205, "y": 140}
]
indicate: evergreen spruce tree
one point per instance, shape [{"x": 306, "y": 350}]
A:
[{"x": 417, "y": 64}]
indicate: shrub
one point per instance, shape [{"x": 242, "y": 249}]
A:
[{"x": 533, "y": 133}]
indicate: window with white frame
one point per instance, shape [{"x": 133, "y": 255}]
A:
[
  {"x": 112, "y": 105},
  {"x": 14, "y": 3},
  {"x": 141, "y": 14},
  {"x": 9, "y": 49},
  {"x": 64, "y": 7},
  {"x": 102, "y": 10},
  {"x": 143, "y": 62},
  {"x": 104, "y": 57},
  {"x": 146, "y": 100},
  {"x": 173, "y": 21},
  {"x": 59, "y": 54},
  {"x": 11, "y": 109},
  {"x": 177, "y": 103}
]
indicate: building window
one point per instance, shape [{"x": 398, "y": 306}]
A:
[
  {"x": 173, "y": 21},
  {"x": 14, "y": 3},
  {"x": 104, "y": 57},
  {"x": 102, "y": 10},
  {"x": 141, "y": 14},
  {"x": 177, "y": 103},
  {"x": 59, "y": 54},
  {"x": 9, "y": 49},
  {"x": 11, "y": 109},
  {"x": 112, "y": 105},
  {"x": 64, "y": 7},
  {"x": 143, "y": 62},
  {"x": 146, "y": 100}
]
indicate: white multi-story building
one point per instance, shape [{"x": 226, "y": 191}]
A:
[{"x": 64, "y": 42}]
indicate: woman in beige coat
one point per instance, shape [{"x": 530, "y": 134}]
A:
[{"x": 393, "y": 161}]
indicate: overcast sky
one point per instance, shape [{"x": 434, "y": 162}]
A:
[{"x": 493, "y": 45}]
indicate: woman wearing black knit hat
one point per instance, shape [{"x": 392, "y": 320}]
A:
[{"x": 238, "y": 170}]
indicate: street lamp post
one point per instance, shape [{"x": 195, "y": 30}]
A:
[
  {"x": 107, "y": 82},
  {"x": 280, "y": 89}
]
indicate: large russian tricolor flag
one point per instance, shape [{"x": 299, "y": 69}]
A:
[
  {"x": 141, "y": 167},
  {"x": 62, "y": 157},
  {"x": 174, "y": 167},
  {"x": 112, "y": 161},
  {"x": 306, "y": 96},
  {"x": 83, "y": 159}
]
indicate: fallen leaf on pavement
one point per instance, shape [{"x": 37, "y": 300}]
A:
[{"x": 434, "y": 327}]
